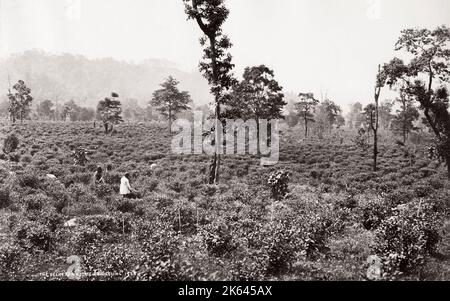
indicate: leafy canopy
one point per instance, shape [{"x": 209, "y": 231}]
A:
[{"x": 170, "y": 100}]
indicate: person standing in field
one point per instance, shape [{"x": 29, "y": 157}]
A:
[
  {"x": 98, "y": 176},
  {"x": 125, "y": 188}
]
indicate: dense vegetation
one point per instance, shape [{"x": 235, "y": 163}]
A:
[
  {"x": 334, "y": 214},
  {"x": 347, "y": 203}
]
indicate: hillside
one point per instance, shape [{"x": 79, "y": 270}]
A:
[{"x": 64, "y": 77}]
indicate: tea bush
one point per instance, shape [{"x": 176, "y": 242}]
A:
[
  {"x": 315, "y": 224},
  {"x": 278, "y": 183},
  {"x": 404, "y": 240},
  {"x": 11, "y": 262},
  {"x": 5, "y": 200},
  {"x": 10, "y": 144}
]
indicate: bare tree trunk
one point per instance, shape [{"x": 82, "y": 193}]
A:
[
  {"x": 216, "y": 157},
  {"x": 375, "y": 126},
  {"x": 257, "y": 136},
  {"x": 215, "y": 165},
  {"x": 404, "y": 122},
  {"x": 375, "y": 150},
  {"x": 306, "y": 127}
]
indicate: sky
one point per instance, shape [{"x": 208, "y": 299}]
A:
[{"x": 329, "y": 47}]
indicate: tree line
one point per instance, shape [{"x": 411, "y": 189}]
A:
[{"x": 259, "y": 96}]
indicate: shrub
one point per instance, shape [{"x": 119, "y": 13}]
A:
[
  {"x": 11, "y": 258},
  {"x": 114, "y": 224},
  {"x": 217, "y": 237},
  {"x": 160, "y": 247},
  {"x": 280, "y": 245},
  {"x": 126, "y": 206},
  {"x": 108, "y": 262},
  {"x": 36, "y": 201},
  {"x": 373, "y": 213},
  {"x": 29, "y": 179},
  {"x": 80, "y": 194},
  {"x": 361, "y": 140},
  {"x": 346, "y": 202},
  {"x": 58, "y": 194},
  {"x": 83, "y": 237},
  {"x": 14, "y": 157},
  {"x": 33, "y": 236},
  {"x": 404, "y": 240},
  {"x": 10, "y": 144},
  {"x": 5, "y": 200},
  {"x": 26, "y": 159},
  {"x": 278, "y": 183},
  {"x": 398, "y": 197},
  {"x": 249, "y": 265},
  {"x": 423, "y": 191},
  {"x": 102, "y": 190}
]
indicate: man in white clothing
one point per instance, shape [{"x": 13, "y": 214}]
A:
[{"x": 125, "y": 188}]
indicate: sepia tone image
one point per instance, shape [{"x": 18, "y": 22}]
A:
[{"x": 224, "y": 140}]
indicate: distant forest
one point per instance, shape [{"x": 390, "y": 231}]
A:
[{"x": 64, "y": 78}]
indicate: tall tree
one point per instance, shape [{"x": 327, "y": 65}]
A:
[
  {"x": 19, "y": 101},
  {"x": 74, "y": 112},
  {"x": 258, "y": 96},
  {"x": 328, "y": 112},
  {"x": 372, "y": 114},
  {"x": 69, "y": 111},
  {"x": 110, "y": 110},
  {"x": 425, "y": 77},
  {"x": 385, "y": 112},
  {"x": 169, "y": 100},
  {"x": 404, "y": 120},
  {"x": 45, "y": 110},
  {"x": 85, "y": 114},
  {"x": 355, "y": 116},
  {"x": 306, "y": 108},
  {"x": 291, "y": 117},
  {"x": 216, "y": 66}
]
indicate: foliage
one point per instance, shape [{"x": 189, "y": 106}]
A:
[
  {"x": 110, "y": 110},
  {"x": 257, "y": 96},
  {"x": 361, "y": 140},
  {"x": 232, "y": 231},
  {"x": 305, "y": 108},
  {"x": 355, "y": 116},
  {"x": 19, "y": 101},
  {"x": 10, "y": 144},
  {"x": 45, "y": 110},
  {"x": 403, "y": 122},
  {"x": 431, "y": 55},
  {"x": 169, "y": 100},
  {"x": 327, "y": 115},
  {"x": 278, "y": 183},
  {"x": 217, "y": 64},
  {"x": 404, "y": 240},
  {"x": 74, "y": 112}
]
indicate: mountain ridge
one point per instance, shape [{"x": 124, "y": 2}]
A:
[{"x": 64, "y": 77}]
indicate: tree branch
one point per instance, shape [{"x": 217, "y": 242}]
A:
[{"x": 199, "y": 20}]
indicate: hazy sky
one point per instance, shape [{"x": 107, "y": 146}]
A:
[{"x": 329, "y": 46}]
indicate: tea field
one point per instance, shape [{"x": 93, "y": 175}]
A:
[{"x": 336, "y": 215}]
